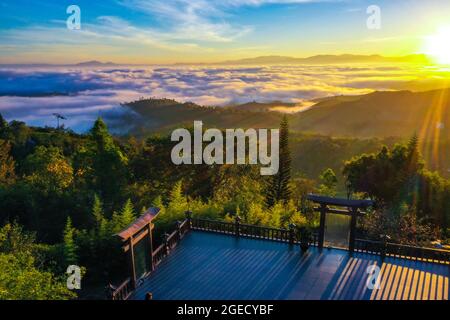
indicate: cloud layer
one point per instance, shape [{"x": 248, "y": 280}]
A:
[{"x": 34, "y": 94}]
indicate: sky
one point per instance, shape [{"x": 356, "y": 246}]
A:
[{"x": 170, "y": 31}]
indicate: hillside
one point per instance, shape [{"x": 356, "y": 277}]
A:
[
  {"x": 164, "y": 114},
  {"x": 380, "y": 114}
]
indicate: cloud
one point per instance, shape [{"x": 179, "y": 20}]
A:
[
  {"x": 198, "y": 20},
  {"x": 202, "y": 20},
  {"x": 82, "y": 94}
]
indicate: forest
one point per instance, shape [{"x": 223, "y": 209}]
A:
[{"x": 63, "y": 196}]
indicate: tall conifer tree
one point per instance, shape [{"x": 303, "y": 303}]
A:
[{"x": 278, "y": 185}]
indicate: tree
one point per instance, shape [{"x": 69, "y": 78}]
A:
[
  {"x": 328, "y": 184},
  {"x": 386, "y": 176},
  {"x": 7, "y": 164},
  {"x": 48, "y": 169},
  {"x": 127, "y": 213},
  {"x": 70, "y": 248},
  {"x": 278, "y": 188},
  {"x": 396, "y": 178},
  {"x": 107, "y": 159},
  {"x": 97, "y": 211}
]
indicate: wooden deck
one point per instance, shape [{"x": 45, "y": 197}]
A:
[{"x": 206, "y": 266}]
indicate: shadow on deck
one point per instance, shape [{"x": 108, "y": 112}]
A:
[{"x": 207, "y": 266}]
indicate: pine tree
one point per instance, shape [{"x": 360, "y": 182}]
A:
[
  {"x": 108, "y": 159},
  {"x": 100, "y": 222},
  {"x": 278, "y": 187},
  {"x": 414, "y": 160},
  {"x": 70, "y": 248},
  {"x": 97, "y": 211},
  {"x": 177, "y": 200},
  {"x": 127, "y": 214}
]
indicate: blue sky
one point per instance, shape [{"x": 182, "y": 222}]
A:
[{"x": 160, "y": 31}]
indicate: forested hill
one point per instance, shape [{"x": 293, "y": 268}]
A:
[
  {"x": 165, "y": 114},
  {"x": 378, "y": 114}
]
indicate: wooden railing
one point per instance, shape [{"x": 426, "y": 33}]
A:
[
  {"x": 122, "y": 292},
  {"x": 170, "y": 242},
  {"x": 250, "y": 231},
  {"x": 403, "y": 251}
]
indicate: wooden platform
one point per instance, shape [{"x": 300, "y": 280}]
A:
[{"x": 207, "y": 266}]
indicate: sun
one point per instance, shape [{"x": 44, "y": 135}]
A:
[{"x": 438, "y": 46}]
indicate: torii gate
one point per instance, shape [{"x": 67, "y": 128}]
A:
[
  {"x": 140, "y": 230},
  {"x": 353, "y": 208}
]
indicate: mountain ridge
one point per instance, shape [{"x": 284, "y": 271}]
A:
[{"x": 270, "y": 59}]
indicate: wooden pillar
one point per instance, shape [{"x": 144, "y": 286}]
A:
[
  {"x": 150, "y": 240},
  {"x": 132, "y": 264},
  {"x": 354, "y": 215},
  {"x": 323, "y": 214}
]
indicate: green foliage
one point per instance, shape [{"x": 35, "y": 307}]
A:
[
  {"x": 97, "y": 212},
  {"x": 48, "y": 170},
  {"x": 70, "y": 248},
  {"x": 127, "y": 214},
  {"x": 21, "y": 277},
  {"x": 397, "y": 180},
  {"x": 279, "y": 215},
  {"x": 107, "y": 158},
  {"x": 7, "y": 163},
  {"x": 385, "y": 175},
  {"x": 328, "y": 186}
]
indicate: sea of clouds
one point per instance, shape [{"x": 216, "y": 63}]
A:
[{"x": 34, "y": 94}]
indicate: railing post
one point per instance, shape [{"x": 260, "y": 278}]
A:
[
  {"x": 150, "y": 240},
  {"x": 166, "y": 242},
  {"x": 110, "y": 291},
  {"x": 384, "y": 240},
  {"x": 237, "y": 226},
  {"x": 292, "y": 233},
  {"x": 188, "y": 215},
  {"x": 352, "y": 237},
  {"x": 323, "y": 213},
  {"x": 178, "y": 223}
]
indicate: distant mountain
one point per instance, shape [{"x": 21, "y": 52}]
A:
[
  {"x": 330, "y": 59},
  {"x": 263, "y": 60},
  {"x": 94, "y": 63}
]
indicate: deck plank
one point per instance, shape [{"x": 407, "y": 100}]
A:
[{"x": 207, "y": 266}]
